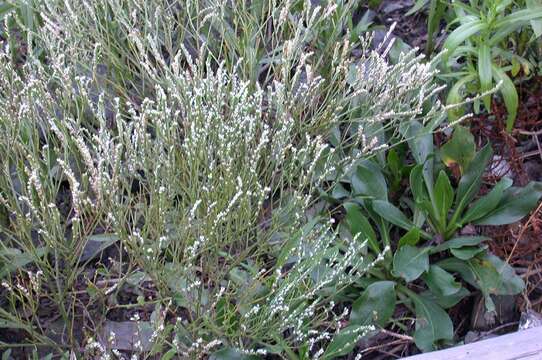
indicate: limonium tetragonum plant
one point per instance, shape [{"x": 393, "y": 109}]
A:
[{"x": 199, "y": 175}]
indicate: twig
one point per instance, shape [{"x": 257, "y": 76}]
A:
[
  {"x": 534, "y": 133},
  {"x": 398, "y": 336},
  {"x": 393, "y": 351},
  {"x": 377, "y": 347},
  {"x": 530, "y": 153},
  {"x": 531, "y": 273},
  {"x": 494, "y": 330},
  {"x": 522, "y": 231}
]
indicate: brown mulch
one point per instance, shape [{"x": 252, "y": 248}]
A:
[{"x": 520, "y": 156}]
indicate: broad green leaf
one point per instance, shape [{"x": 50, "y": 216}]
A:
[
  {"x": 444, "y": 196},
  {"x": 467, "y": 252},
  {"x": 461, "y": 34},
  {"x": 339, "y": 192},
  {"x": 96, "y": 244},
  {"x": 375, "y": 305},
  {"x": 412, "y": 237},
  {"x": 392, "y": 214},
  {"x": 449, "y": 301},
  {"x": 432, "y": 323},
  {"x": 510, "y": 282},
  {"x": 410, "y": 262},
  {"x": 359, "y": 224},
  {"x": 370, "y": 182},
  {"x": 231, "y": 354},
  {"x": 487, "y": 273},
  {"x": 459, "y": 242},
  {"x": 460, "y": 149},
  {"x": 485, "y": 72},
  {"x": 440, "y": 281},
  {"x": 488, "y": 202},
  {"x": 514, "y": 206},
  {"x": 471, "y": 181},
  {"x": 509, "y": 94},
  {"x": 345, "y": 341}
]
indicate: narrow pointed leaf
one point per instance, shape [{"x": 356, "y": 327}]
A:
[
  {"x": 392, "y": 214},
  {"x": 509, "y": 94},
  {"x": 488, "y": 202},
  {"x": 516, "y": 204},
  {"x": 444, "y": 196},
  {"x": 485, "y": 72}
]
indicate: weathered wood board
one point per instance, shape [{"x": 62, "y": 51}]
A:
[{"x": 521, "y": 345}]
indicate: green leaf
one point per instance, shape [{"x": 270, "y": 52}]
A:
[
  {"x": 487, "y": 273},
  {"x": 512, "y": 22},
  {"x": 96, "y": 244},
  {"x": 459, "y": 242},
  {"x": 536, "y": 25},
  {"x": 509, "y": 94},
  {"x": 444, "y": 197},
  {"x": 417, "y": 7},
  {"x": 436, "y": 11},
  {"x": 412, "y": 237},
  {"x": 460, "y": 149},
  {"x": 410, "y": 262},
  {"x": 12, "y": 259},
  {"x": 231, "y": 354},
  {"x": 359, "y": 224},
  {"x": 510, "y": 282},
  {"x": 468, "y": 252},
  {"x": 345, "y": 341},
  {"x": 393, "y": 162},
  {"x": 419, "y": 192},
  {"x": 471, "y": 181},
  {"x": 440, "y": 281},
  {"x": 6, "y": 355},
  {"x": 461, "y": 34},
  {"x": 420, "y": 141},
  {"x": 392, "y": 214},
  {"x": 370, "y": 182},
  {"x": 417, "y": 186},
  {"x": 455, "y": 97},
  {"x": 169, "y": 355},
  {"x": 514, "y": 206},
  {"x": 432, "y": 323},
  {"x": 375, "y": 305},
  {"x": 488, "y": 202},
  {"x": 449, "y": 301},
  {"x": 485, "y": 72},
  {"x": 339, "y": 192}
]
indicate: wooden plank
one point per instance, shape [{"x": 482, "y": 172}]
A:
[{"x": 521, "y": 345}]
